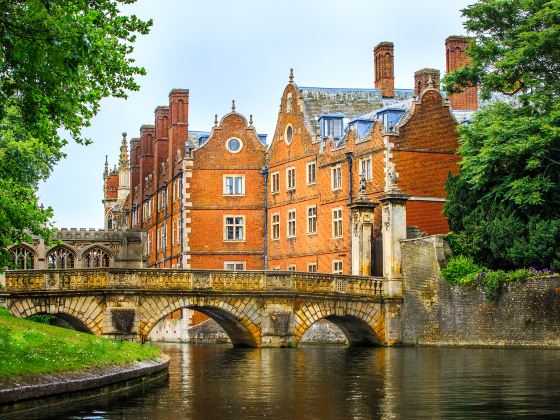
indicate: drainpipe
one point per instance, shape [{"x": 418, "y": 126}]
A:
[
  {"x": 165, "y": 224},
  {"x": 264, "y": 173},
  {"x": 350, "y": 185},
  {"x": 181, "y": 217}
]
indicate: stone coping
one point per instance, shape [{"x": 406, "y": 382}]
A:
[{"x": 52, "y": 384}]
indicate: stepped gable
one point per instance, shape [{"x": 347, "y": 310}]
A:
[{"x": 347, "y": 101}]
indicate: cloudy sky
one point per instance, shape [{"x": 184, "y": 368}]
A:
[{"x": 243, "y": 50}]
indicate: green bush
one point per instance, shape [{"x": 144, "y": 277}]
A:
[
  {"x": 458, "y": 268},
  {"x": 463, "y": 271}
]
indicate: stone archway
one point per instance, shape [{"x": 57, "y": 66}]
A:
[
  {"x": 361, "y": 324},
  {"x": 85, "y": 313},
  {"x": 237, "y": 316}
]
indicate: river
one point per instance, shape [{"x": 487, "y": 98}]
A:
[{"x": 332, "y": 382}]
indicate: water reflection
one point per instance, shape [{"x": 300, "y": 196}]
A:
[{"x": 318, "y": 382}]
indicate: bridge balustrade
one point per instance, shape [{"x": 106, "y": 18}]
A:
[{"x": 186, "y": 280}]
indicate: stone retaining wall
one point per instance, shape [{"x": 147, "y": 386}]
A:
[
  {"x": 69, "y": 384},
  {"x": 437, "y": 313}
]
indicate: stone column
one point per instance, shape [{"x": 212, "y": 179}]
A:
[
  {"x": 362, "y": 230},
  {"x": 393, "y": 231}
]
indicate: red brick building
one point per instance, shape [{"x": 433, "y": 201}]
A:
[{"x": 221, "y": 199}]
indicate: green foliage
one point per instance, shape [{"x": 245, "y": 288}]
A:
[
  {"x": 465, "y": 272},
  {"x": 514, "y": 50},
  {"x": 58, "y": 60},
  {"x": 29, "y": 348},
  {"x": 458, "y": 268},
  {"x": 504, "y": 205},
  {"x": 42, "y": 318}
]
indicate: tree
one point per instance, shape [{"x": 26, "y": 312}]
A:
[
  {"x": 504, "y": 205},
  {"x": 58, "y": 59}
]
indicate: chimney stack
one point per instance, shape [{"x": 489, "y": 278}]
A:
[
  {"x": 456, "y": 58},
  {"x": 384, "y": 69},
  {"x": 424, "y": 79}
]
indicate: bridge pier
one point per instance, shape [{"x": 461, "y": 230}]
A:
[{"x": 278, "y": 326}]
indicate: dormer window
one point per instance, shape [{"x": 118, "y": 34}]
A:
[
  {"x": 390, "y": 117},
  {"x": 331, "y": 126}
]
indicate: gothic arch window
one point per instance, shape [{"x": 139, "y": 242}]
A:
[
  {"x": 22, "y": 258},
  {"x": 96, "y": 257},
  {"x": 61, "y": 257}
]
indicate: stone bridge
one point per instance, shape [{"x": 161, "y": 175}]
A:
[{"x": 255, "y": 308}]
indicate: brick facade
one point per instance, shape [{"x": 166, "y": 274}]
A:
[{"x": 288, "y": 206}]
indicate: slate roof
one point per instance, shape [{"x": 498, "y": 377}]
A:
[{"x": 347, "y": 101}]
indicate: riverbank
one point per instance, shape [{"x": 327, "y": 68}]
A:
[
  {"x": 31, "y": 348},
  {"x": 42, "y": 360}
]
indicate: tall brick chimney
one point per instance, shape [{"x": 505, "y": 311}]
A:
[
  {"x": 456, "y": 57},
  {"x": 384, "y": 69},
  {"x": 179, "y": 129},
  {"x": 425, "y": 78}
]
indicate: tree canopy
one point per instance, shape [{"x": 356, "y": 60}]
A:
[
  {"x": 58, "y": 59},
  {"x": 504, "y": 205}
]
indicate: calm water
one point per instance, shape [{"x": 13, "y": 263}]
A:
[{"x": 327, "y": 382}]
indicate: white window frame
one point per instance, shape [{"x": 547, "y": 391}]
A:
[
  {"x": 369, "y": 168},
  {"x": 148, "y": 243},
  {"x": 173, "y": 223},
  {"x": 337, "y": 267},
  {"x": 309, "y": 218},
  {"x": 273, "y": 224},
  {"x": 236, "y": 265},
  {"x": 308, "y": 172},
  {"x": 243, "y": 226},
  {"x": 311, "y": 265},
  {"x": 289, "y": 170},
  {"x": 336, "y": 177},
  {"x": 233, "y": 177},
  {"x": 288, "y": 220},
  {"x": 291, "y": 267},
  {"x": 275, "y": 182},
  {"x": 164, "y": 236},
  {"x": 337, "y": 225}
]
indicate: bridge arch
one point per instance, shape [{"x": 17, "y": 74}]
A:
[
  {"x": 237, "y": 316},
  {"x": 361, "y": 324},
  {"x": 84, "y": 314}
]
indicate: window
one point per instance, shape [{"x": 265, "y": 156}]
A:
[
  {"x": 337, "y": 266},
  {"x": 336, "y": 177},
  {"x": 96, "y": 257},
  {"x": 289, "y": 134},
  {"x": 234, "y": 184},
  {"x": 275, "y": 226},
  {"x": 311, "y": 172},
  {"x": 178, "y": 231},
  {"x": 311, "y": 220},
  {"x": 22, "y": 258},
  {"x": 312, "y": 267},
  {"x": 164, "y": 236},
  {"x": 292, "y": 223},
  {"x": 291, "y": 267},
  {"x": 365, "y": 168},
  {"x": 275, "y": 182},
  {"x": 337, "y": 223},
  {"x": 173, "y": 232},
  {"x": 290, "y": 178},
  {"x": 234, "y": 265},
  {"x": 234, "y": 145},
  {"x": 158, "y": 239},
  {"x": 234, "y": 228},
  {"x": 61, "y": 257},
  {"x": 148, "y": 243}
]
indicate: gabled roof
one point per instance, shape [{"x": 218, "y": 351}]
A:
[{"x": 349, "y": 102}]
